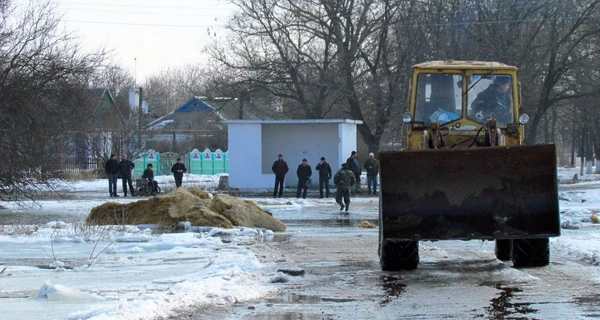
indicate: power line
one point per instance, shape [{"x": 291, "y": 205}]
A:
[
  {"x": 145, "y": 13},
  {"x": 147, "y": 24},
  {"x": 210, "y": 7}
]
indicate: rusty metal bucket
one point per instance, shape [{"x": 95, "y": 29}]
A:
[{"x": 476, "y": 193}]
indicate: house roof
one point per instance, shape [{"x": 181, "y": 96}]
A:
[
  {"x": 192, "y": 114},
  {"x": 194, "y": 104},
  {"x": 106, "y": 108}
]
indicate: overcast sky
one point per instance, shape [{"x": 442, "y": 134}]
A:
[{"x": 147, "y": 36}]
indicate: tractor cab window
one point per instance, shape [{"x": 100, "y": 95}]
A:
[
  {"x": 490, "y": 96},
  {"x": 438, "y": 97}
]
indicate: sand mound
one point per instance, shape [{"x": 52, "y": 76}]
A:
[
  {"x": 186, "y": 204},
  {"x": 245, "y": 213}
]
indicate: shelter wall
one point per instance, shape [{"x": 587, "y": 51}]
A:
[{"x": 254, "y": 146}]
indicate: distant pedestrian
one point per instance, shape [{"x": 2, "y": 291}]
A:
[
  {"x": 178, "y": 169},
  {"x": 343, "y": 179},
  {"x": 304, "y": 172},
  {"x": 354, "y": 166},
  {"x": 279, "y": 168},
  {"x": 125, "y": 168},
  {"x": 324, "y": 175},
  {"x": 372, "y": 166},
  {"x": 112, "y": 169}
]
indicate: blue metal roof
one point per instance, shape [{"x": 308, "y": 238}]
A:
[{"x": 194, "y": 104}]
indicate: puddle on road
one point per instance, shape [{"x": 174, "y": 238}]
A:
[
  {"x": 332, "y": 223},
  {"x": 392, "y": 287},
  {"x": 502, "y": 306},
  {"x": 304, "y": 299},
  {"x": 288, "y": 316}
]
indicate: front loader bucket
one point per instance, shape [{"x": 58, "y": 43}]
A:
[{"x": 475, "y": 193}]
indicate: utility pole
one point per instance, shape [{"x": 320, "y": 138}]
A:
[{"x": 139, "y": 128}]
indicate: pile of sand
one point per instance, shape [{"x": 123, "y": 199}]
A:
[{"x": 186, "y": 204}]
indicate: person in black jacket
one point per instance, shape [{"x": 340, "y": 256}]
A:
[
  {"x": 304, "y": 172},
  {"x": 372, "y": 166},
  {"x": 354, "y": 166},
  {"x": 178, "y": 169},
  {"x": 149, "y": 174},
  {"x": 125, "y": 167},
  {"x": 495, "y": 101},
  {"x": 280, "y": 168},
  {"x": 112, "y": 169},
  {"x": 324, "y": 175}
]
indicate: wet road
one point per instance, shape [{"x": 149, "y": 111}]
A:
[{"x": 455, "y": 279}]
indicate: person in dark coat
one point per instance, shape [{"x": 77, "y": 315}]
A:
[
  {"x": 343, "y": 179},
  {"x": 280, "y": 168},
  {"x": 354, "y": 166},
  {"x": 112, "y": 169},
  {"x": 149, "y": 174},
  {"x": 372, "y": 166},
  {"x": 178, "y": 169},
  {"x": 495, "y": 101},
  {"x": 324, "y": 175},
  {"x": 125, "y": 168},
  {"x": 304, "y": 172}
]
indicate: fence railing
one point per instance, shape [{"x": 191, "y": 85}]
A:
[
  {"x": 74, "y": 166},
  {"x": 196, "y": 162}
]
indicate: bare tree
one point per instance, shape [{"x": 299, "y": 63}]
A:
[
  {"x": 169, "y": 88},
  {"x": 43, "y": 84},
  {"x": 283, "y": 47}
]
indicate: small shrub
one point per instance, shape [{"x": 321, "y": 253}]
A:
[{"x": 594, "y": 218}]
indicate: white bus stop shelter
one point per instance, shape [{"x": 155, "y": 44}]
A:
[{"x": 253, "y": 146}]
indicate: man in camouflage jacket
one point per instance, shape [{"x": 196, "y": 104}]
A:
[{"x": 343, "y": 180}]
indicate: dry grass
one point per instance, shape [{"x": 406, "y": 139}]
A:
[
  {"x": 594, "y": 218},
  {"x": 186, "y": 204},
  {"x": 84, "y": 175},
  {"x": 19, "y": 229}
]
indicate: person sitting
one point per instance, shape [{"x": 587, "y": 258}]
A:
[
  {"x": 149, "y": 174},
  {"x": 495, "y": 101}
]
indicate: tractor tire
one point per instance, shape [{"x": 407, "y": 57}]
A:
[
  {"x": 530, "y": 252},
  {"x": 503, "y": 249},
  {"x": 399, "y": 255}
]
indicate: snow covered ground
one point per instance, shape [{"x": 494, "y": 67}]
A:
[{"x": 61, "y": 270}]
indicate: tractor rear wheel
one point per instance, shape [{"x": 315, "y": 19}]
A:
[
  {"x": 503, "y": 249},
  {"x": 530, "y": 252},
  {"x": 399, "y": 255}
]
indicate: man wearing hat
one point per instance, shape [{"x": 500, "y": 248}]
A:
[
  {"x": 372, "y": 166},
  {"x": 354, "y": 166},
  {"x": 303, "y": 172},
  {"x": 343, "y": 180},
  {"x": 495, "y": 101},
  {"x": 324, "y": 175},
  {"x": 279, "y": 168},
  {"x": 178, "y": 169},
  {"x": 125, "y": 167}
]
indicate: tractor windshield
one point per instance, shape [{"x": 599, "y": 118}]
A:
[
  {"x": 490, "y": 96},
  {"x": 438, "y": 97}
]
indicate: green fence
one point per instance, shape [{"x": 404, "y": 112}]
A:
[{"x": 205, "y": 162}]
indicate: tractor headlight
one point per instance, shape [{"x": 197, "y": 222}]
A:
[
  {"x": 406, "y": 118},
  {"x": 523, "y": 119}
]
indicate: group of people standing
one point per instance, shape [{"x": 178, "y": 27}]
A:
[
  {"x": 346, "y": 179},
  {"x": 125, "y": 168},
  {"x": 113, "y": 169}
]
